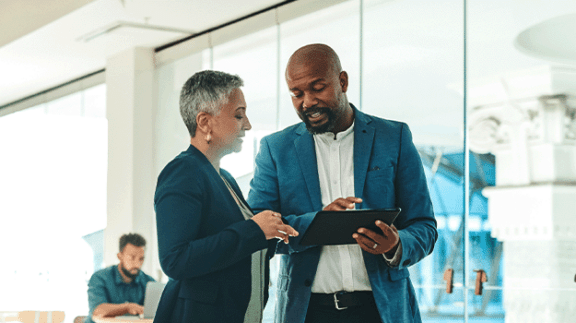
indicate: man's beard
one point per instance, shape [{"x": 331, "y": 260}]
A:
[
  {"x": 129, "y": 274},
  {"x": 326, "y": 127}
]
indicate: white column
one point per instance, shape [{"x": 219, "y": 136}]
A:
[
  {"x": 528, "y": 121},
  {"x": 131, "y": 176}
]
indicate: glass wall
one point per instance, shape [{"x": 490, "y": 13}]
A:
[
  {"x": 53, "y": 202},
  {"x": 520, "y": 75},
  {"x": 255, "y": 59},
  {"x": 413, "y": 72},
  {"x": 487, "y": 87},
  {"x": 467, "y": 77}
]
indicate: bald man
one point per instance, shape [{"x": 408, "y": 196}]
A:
[{"x": 338, "y": 159}]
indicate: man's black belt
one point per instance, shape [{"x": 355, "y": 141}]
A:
[{"x": 342, "y": 300}]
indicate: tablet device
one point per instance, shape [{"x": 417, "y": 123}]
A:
[{"x": 337, "y": 227}]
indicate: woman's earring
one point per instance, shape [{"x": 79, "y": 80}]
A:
[{"x": 208, "y": 138}]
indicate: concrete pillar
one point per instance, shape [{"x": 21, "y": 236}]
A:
[
  {"x": 131, "y": 176},
  {"x": 528, "y": 121}
]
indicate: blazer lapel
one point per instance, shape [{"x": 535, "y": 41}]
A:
[
  {"x": 306, "y": 154},
  {"x": 363, "y": 142},
  {"x": 229, "y": 198},
  {"x": 235, "y": 187}
]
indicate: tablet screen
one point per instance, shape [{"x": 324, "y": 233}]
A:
[{"x": 337, "y": 227}]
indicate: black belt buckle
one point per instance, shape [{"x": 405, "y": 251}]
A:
[{"x": 336, "y": 301}]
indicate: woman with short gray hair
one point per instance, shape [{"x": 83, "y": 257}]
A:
[{"x": 211, "y": 245}]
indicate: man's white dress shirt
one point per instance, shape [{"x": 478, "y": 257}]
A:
[{"x": 341, "y": 267}]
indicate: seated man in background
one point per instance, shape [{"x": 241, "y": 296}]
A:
[{"x": 119, "y": 289}]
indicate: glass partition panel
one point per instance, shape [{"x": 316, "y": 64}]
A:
[
  {"x": 53, "y": 202},
  {"x": 413, "y": 67},
  {"x": 171, "y": 135},
  {"x": 413, "y": 73},
  {"x": 521, "y": 93},
  {"x": 93, "y": 101},
  {"x": 255, "y": 59},
  {"x": 70, "y": 105}
]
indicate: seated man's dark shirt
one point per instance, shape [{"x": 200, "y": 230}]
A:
[{"x": 107, "y": 286}]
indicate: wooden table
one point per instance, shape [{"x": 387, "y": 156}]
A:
[
  {"x": 8, "y": 316},
  {"x": 101, "y": 319},
  {"x": 32, "y": 316}
]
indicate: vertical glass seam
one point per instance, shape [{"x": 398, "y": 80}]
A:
[
  {"x": 466, "y": 195},
  {"x": 278, "y": 70}
]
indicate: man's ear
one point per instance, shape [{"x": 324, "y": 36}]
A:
[
  {"x": 119, "y": 255},
  {"x": 343, "y": 78},
  {"x": 204, "y": 122}
]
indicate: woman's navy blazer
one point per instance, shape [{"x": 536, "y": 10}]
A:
[{"x": 204, "y": 242}]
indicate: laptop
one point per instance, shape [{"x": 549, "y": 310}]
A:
[{"x": 151, "y": 299}]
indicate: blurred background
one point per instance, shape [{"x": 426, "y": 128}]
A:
[{"x": 89, "y": 116}]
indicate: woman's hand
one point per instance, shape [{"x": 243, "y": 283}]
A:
[{"x": 271, "y": 224}]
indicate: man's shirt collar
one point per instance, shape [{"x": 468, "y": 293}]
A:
[{"x": 329, "y": 136}]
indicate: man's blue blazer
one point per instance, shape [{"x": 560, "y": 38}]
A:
[{"x": 388, "y": 173}]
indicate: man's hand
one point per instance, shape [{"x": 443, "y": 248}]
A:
[
  {"x": 377, "y": 244},
  {"x": 271, "y": 224},
  {"x": 134, "y": 309},
  {"x": 113, "y": 310},
  {"x": 343, "y": 204}
]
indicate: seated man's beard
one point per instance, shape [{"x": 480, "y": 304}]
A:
[
  {"x": 129, "y": 274},
  {"x": 326, "y": 127}
]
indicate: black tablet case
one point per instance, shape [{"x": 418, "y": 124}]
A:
[{"x": 337, "y": 227}]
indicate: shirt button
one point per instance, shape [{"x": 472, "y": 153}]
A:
[{"x": 307, "y": 283}]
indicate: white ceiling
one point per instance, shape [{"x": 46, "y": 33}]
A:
[
  {"x": 553, "y": 39},
  {"x": 42, "y": 43},
  {"x": 20, "y": 17}
]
